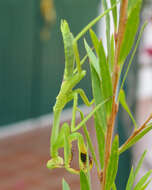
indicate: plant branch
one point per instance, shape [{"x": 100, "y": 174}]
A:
[
  {"x": 135, "y": 133},
  {"x": 111, "y": 119}
]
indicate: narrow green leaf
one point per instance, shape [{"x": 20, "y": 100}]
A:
[
  {"x": 65, "y": 186},
  {"x": 100, "y": 115},
  {"x": 135, "y": 139},
  {"x": 140, "y": 163},
  {"x": 105, "y": 7},
  {"x": 106, "y": 77},
  {"x": 133, "y": 54},
  {"x": 114, "y": 13},
  {"x": 94, "y": 21},
  {"x": 130, "y": 180},
  {"x": 84, "y": 182},
  {"x": 131, "y": 4},
  {"x": 114, "y": 186},
  {"x": 112, "y": 55},
  {"x": 130, "y": 31},
  {"x": 93, "y": 59},
  {"x": 122, "y": 99},
  {"x": 113, "y": 164},
  {"x": 95, "y": 40},
  {"x": 98, "y": 96},
  {"x": 143, "y": 180},
  {"x": 100, "y": 139},
  {"x": 146, "y": 185},
  {"x": 133, "y": 175}
]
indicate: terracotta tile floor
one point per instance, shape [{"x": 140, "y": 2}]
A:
[{"x": 23, "y": 163}]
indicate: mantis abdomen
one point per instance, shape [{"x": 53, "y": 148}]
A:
[{"x": 68, "y": 49}]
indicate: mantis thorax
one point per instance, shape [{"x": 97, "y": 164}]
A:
[{"x": 66, "y": 94}]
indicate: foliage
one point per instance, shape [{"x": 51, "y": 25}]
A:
[{"x": 105, "y": 69}]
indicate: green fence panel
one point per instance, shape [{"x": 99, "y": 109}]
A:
[
  {"x": 31, "y": 69},
  {"x": 16, "y": 59}
]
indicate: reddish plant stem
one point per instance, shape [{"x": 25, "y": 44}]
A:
[
  {"x": 111, "y": 120},
  {"x": 136, "y": 132}
]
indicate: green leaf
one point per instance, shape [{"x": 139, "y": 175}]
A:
[
  {"x": 135, "y": 139},
  {"x": 131, "y": 4},
  {"x": 113, "y": 164},
  {"x": 98, "y": 96},
  {"x": 143, "y": 180},
  {"x": 133, "y": 54},
  {"x": 146, "y": 185},
  {"x": 122, "y": 99},
  {"x": 65, "y": 186},
  {"x": 140, "y": 163},
  {"x": 93, "y": 59},
  {"x": 95, "y": 40},
  {"x": 114, "y": 13},
  {"x": 114, "y": 186},
  {"x": 99, "y": 116},
  {"x": 100, "y": 139},
  {"x": 130, "y": 180},
  {"x": 93, "y": 22},
  {"x": 130, "y": 31},
  {"x": 108, "y": 28},
  {"x": 112, "y": 54},
  {"x": 106, "y": 77},
  {"x": 105, "y": 7},
  {"x": 133, "y": 175},
  {"x": 84, "y": 182}
]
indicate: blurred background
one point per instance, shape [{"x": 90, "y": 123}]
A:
[{"x": 31, "y": 68}]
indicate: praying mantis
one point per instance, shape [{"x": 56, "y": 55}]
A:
[{"x": 63, "y": 137}]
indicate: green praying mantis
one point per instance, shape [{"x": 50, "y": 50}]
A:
[{"x": 63, "y": 137}]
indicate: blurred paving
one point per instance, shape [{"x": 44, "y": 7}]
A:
[
  {"x": 23, "y": 160},
  {"x": 23, "y": 163}
]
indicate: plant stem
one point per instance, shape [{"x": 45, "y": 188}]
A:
[
  {"x": 136, "y": 132},
  {"x": 111, "y": 120}
]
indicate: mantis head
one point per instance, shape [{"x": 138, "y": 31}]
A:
[{"x": 55, "y": 163}]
